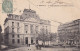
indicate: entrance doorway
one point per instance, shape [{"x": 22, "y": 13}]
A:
[
  {"x": 31, "y": 40},
  {"x": 26, "y": 40},
  {"x": 36, "y": 41}
]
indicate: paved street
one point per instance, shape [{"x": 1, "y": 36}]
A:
[
  {"x": 43, "y": 49},
  {"x": 61, "y": 49}
]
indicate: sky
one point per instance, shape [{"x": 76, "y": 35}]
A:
[{"x": 58, "y": 13}]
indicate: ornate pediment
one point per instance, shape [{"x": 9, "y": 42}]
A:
[
  {"x": 32, "y": 19},
  {"x": 30, "y": 15}
]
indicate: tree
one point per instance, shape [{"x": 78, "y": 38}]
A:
[{"x": 43, "y": 36}]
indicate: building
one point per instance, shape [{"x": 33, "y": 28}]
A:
[
  {"x": 69, "y": 33},
  {"x": 23, "y": 29}
]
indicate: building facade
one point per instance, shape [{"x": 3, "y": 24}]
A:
[
  {"x": 23, "y": 29},
  {"x": 69, "y": 33}
]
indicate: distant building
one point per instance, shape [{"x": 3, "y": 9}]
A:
[
  {"x": 69, "y": 33},
  {"x": 2, "y": 37},
  {"x": 23, "y": 29}
]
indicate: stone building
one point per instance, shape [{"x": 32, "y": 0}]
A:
[
  {"x": 69, "y": 33},
  {"x": 23, "y": 29}
]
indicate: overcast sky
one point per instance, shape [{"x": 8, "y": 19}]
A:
[{"x": 57, "y": 13}]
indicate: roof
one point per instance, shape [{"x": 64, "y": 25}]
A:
[{"x": 27, "y": 13}]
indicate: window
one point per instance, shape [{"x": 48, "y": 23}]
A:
[
  {"x": 36, "y": 29},
  {"x": 26, "y": 40},
  {"x": 26, "y": 28},
  {"x": 25, "y": 14},
  {"x": 17, "y": 30},
  {"x": 13, "y": 41},
  {"x": 12, "y": 23},
  {"x": 26, "y": 31},
  {"x": 21, "y": 17},
  {"x": 12, "y": 36},
  {"x": 12, "y": 27},
  {"x": 31, "y": 28},
  {"x": 18, "y": 24},
  {"x": 17, "y": 27},
  {"x": 31, "y": 40},
  {"x": 16, "y": 16},
  {"x": 12, "y": 30},
  {"x": 18, "y": 36},
  {"x": 18, "y": 41}
]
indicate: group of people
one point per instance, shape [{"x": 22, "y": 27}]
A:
[{"x": 38, "y": 46}]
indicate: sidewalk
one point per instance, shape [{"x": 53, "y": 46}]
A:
[
  {"x": 42, "y": 49},
  {"x": 6, "y": 47}
]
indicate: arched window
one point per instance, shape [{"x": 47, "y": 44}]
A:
[{"x": 18, "y": 40}]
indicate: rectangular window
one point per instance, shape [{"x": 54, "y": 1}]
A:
[
  {"x": 31, "y": 28},
  {"x": 12, "y": 30},
  {"x": 13, "y": 41},
  {"x": 21, "y": 17},
  {"x": 17, "y": 30},
  {"x": 26, "y": 31},
  {"x": 26, "y": 28},
  {"x": 17, "y": 27},
  {"x": 18, "y": 41},
  {"x": 12, "y": 36},
  {"x": 26, "y": 40},
  {"x": 31, "y": 40},
  {"x": 18, "y": 36},
  {"x": 18, "y": 24},
  {"x": 36, "y": 29},
  {"x": 12, "y": 23}
]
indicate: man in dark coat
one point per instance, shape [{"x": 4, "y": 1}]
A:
[{"x": 0, "y": 36}]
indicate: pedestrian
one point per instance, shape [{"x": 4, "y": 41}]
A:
[
  {"x": 40, "y": 47},
  {"x": 36, "y": 46},
  {"x": 29, "y": 45}
]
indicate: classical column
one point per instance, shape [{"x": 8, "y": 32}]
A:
[
  {"x": 29, "y": 34},
  {"x": 29, "y": 31},
  {"x": 23, "y": 39},
  {"x": 29, "y": 40},
  {"x": 34, "y": 27}
]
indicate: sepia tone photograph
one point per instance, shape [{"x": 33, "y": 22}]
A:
[{"x": 39, "y": 25}]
